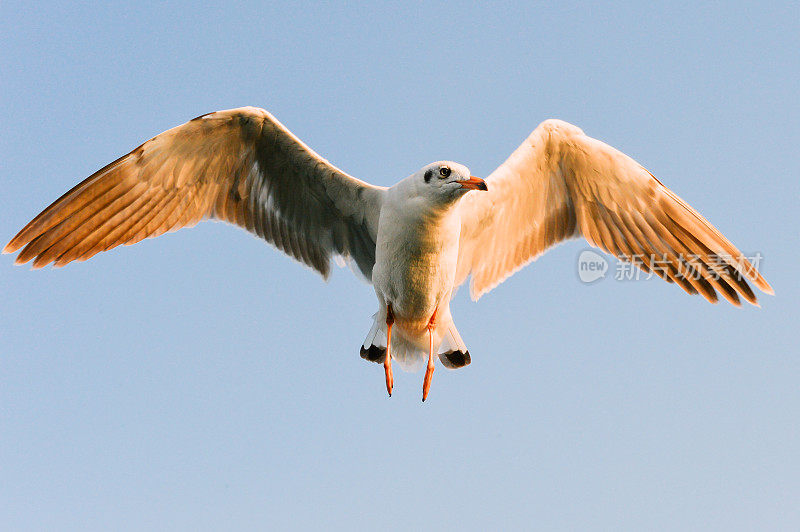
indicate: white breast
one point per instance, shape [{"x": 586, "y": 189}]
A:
[{"x": 415, "y": 259}]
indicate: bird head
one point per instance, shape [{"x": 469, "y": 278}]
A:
[{"x": 446, "y": 181}]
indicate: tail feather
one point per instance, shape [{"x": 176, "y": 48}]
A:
[
  {"x": 452, "y": 351},
  {"x": 408, "y": 353},
  {"x": 412, "y": 353},
  {"x": 374, "y": 346},
  {"x": 373, "y": 353}
]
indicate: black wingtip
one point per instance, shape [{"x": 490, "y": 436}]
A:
[
  {"x": 455, "y": 359},
  {"x": 374, "y": 354}
]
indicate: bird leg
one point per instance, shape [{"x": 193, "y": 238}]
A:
[
  {"x": 387, "y": 363},
  {"x": 426, "y": 385}
]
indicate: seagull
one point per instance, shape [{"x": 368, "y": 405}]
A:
[{"x": 416, "y": 241}]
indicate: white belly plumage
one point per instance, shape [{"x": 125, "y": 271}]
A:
[
  {"x": 414, "y": 273},
  {"x": 415, "y": 269}
]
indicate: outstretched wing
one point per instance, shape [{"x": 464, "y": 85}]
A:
[
  {"x": 560, "y": 183},
  {"x": 241, "y": 166}
]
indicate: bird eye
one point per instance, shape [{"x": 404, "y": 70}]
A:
[{"x": 444, "y": 171}]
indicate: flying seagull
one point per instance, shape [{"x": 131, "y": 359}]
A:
[{"x": 415, "y": 241}]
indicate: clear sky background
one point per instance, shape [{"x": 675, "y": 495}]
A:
[{"x": 202, "y": 380}]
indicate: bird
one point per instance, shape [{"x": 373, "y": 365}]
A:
[{"x": 416, "y": 241}]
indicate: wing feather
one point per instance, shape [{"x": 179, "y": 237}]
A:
[
  {"x": 559, "y": 184},
  {"x": 241, "y": 166}
]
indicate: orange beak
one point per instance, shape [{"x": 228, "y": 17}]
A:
[{"x": 474, "y": 183}]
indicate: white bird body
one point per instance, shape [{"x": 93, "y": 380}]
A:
[
  {"x": 416, "y": 241},
  {"x": 416, "y": 258}
]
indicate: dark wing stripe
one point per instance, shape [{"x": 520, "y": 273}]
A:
[
  {"x": 104, "y": 221},
  {"x": 676, "y": 257},
  {"x": 683, "y": 214},
  {"x": 725, "y": 271},
  {"x": 121, "y": 222},
  {"x": 140, "y": 230}
]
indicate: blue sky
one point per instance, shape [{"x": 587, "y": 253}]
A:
[{"x": 202, "y": 380}]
